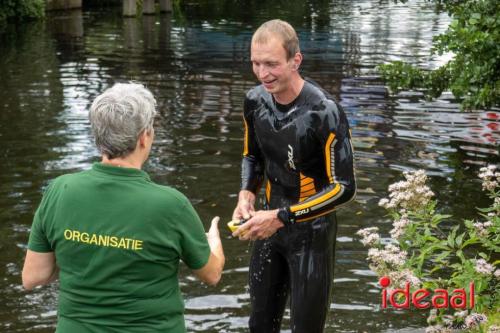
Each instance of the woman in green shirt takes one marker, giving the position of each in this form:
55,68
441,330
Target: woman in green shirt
114,237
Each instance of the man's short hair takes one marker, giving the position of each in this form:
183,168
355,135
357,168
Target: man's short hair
119,116
282,30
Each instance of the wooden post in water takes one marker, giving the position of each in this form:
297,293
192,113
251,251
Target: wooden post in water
148,7
129,8
130,36
62,4
165,6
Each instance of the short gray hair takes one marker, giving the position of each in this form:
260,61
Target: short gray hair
118,117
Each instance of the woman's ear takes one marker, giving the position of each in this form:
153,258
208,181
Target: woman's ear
143,138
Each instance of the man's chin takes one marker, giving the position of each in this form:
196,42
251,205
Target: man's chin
270,89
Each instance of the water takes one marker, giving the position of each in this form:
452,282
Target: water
196,63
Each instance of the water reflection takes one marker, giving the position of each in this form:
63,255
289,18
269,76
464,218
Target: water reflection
197,64
67,25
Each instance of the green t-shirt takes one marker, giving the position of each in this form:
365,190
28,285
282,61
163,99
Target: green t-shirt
118,238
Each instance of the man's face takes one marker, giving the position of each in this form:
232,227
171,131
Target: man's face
271,66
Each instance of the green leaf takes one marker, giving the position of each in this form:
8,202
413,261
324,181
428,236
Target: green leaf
442,256
435,269
451,237
470,242
458,240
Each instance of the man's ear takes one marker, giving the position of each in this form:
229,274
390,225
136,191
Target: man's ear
297,60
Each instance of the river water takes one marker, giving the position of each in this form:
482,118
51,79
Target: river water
196,63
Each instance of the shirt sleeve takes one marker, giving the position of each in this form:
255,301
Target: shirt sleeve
335,138
195,250
252,165
38,240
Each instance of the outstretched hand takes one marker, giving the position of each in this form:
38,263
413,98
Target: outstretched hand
213,236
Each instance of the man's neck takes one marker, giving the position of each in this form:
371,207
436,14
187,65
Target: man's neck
291,93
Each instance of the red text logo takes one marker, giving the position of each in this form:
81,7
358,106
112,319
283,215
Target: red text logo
440,297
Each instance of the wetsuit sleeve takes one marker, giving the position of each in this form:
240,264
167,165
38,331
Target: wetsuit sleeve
335,138
252,166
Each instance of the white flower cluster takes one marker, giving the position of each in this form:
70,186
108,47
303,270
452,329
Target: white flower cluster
391,255
497,274
448,320
411,194
490,177
447,325
475,319
399,278
432,316
482,228
483,267
399,226
461,314
494,329
370,236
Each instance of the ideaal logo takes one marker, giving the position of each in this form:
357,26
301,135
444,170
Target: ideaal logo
440,298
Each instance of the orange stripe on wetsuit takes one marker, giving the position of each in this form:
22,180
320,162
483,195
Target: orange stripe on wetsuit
307,187
316,203
268,191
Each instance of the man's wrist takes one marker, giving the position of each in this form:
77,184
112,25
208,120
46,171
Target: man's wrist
247,196
285,216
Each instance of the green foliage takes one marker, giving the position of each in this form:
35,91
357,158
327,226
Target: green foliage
473,74
400,75
21,9
426,251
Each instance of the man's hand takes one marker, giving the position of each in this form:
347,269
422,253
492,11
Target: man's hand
262,225
245,207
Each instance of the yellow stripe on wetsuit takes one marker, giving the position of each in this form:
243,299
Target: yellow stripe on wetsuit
326,198
330,163
245,139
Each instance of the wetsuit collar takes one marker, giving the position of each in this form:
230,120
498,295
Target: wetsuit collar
284,108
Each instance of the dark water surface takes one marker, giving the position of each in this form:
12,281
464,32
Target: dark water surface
196,63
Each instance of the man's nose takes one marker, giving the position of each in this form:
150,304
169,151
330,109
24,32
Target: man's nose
263,72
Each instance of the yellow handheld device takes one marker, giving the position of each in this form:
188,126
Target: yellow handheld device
235,224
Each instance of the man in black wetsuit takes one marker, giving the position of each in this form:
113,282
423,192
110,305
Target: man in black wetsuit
297,141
